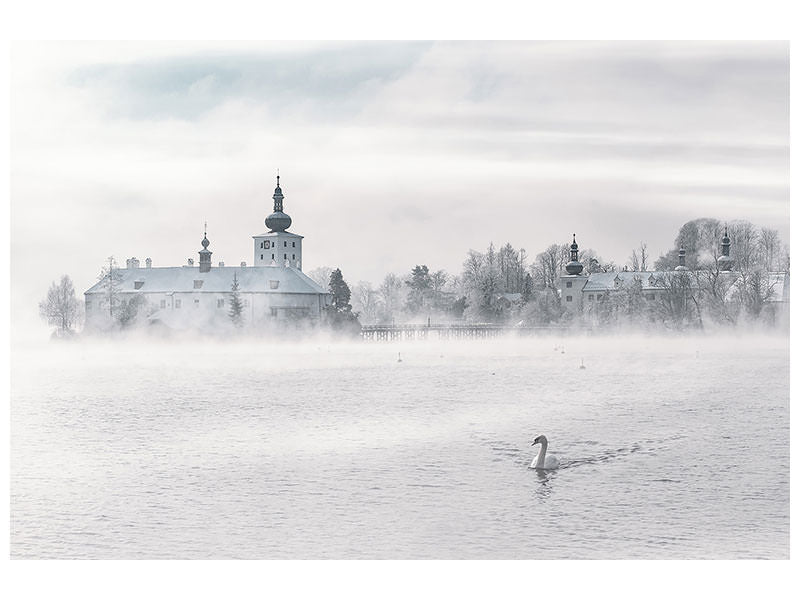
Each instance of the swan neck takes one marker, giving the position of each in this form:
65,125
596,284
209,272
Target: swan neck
540,457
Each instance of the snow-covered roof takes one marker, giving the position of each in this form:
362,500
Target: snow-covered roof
599,282
218,279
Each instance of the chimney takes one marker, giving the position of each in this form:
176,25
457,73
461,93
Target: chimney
127,263
191,262
243,264
134,263
148,263
221,264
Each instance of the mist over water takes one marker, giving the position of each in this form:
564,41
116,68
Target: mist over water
670,448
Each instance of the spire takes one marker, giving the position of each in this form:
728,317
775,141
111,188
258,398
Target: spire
278,196
681,260
725,261
205,253
573,266
278,220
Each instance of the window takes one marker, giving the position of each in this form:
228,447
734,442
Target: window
262,257
569,298
599,296
569,284
198,283
292,256
196,303
284,257
650,296
292,244
88,305
273,244
273,256
177,303
284,244
273,284
137,284
220,303
591,297
273,312
163,304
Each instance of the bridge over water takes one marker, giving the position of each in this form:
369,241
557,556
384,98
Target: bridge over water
389,333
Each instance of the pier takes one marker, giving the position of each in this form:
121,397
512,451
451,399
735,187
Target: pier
392,333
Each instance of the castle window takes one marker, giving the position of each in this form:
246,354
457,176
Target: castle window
220,303
273,256
163,304
591,296
196,303
262,257
284,256
292,244
569,284
177,303
273,312
284,244
273,244
273,284
88,305
599,296
198,283
137,284
651,296
569,298
292,256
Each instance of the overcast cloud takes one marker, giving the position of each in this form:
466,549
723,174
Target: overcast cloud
391,154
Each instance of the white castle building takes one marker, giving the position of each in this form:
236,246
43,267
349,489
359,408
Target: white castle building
198,296
583,292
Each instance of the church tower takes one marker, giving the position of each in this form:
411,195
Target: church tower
205,255
573,280
278,247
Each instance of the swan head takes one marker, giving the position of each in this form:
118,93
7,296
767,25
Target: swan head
539,440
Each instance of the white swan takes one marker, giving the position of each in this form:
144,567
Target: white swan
542,461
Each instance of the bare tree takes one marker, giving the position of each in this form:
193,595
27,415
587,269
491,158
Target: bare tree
111,280
366,301
391,294
61,307
321,276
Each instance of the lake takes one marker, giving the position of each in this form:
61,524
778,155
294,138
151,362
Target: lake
670,448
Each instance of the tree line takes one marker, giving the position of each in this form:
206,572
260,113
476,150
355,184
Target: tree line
506,285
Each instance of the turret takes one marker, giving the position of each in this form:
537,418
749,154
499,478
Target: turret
205,255
725,261
573,266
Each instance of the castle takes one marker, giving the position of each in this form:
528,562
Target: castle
198,296
583,292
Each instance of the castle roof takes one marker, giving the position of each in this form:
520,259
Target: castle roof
217,280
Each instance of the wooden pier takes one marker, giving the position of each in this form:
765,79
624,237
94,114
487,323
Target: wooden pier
394,333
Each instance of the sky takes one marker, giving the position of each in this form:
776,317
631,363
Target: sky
391,154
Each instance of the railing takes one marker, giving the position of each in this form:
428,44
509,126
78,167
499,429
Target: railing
388,333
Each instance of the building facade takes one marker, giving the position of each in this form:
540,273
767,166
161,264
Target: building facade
582,292
199,297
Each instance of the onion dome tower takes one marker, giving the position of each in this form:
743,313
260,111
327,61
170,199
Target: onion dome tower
681,260
205,254
573,266
725,261
278,220
278,247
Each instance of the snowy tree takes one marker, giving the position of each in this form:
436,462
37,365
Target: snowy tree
235,312
340,314
130,311
111,280
60,308
321,276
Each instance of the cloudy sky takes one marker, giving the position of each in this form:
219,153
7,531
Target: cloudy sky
391,154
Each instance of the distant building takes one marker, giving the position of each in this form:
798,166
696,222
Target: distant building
198,296
582,292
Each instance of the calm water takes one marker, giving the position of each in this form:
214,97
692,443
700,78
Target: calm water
670,449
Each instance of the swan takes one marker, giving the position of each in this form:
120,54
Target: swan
398,358
542,461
